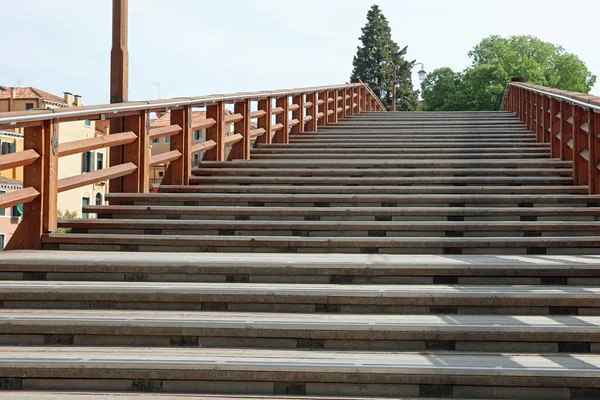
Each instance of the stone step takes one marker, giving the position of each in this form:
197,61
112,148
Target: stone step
300,268
404,145
198,198
397,164
340,213
303,298
88,395
340,189
509,152
345,244
387,180
251,170
326,228
259,155
482,333
258,371
339,136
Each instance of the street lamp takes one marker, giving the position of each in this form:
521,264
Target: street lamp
422,75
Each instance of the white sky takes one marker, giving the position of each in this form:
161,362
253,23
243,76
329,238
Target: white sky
198,47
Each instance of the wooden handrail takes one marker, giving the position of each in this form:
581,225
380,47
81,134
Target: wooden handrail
163,131
164,158
16,197
19,159
100,142
278,115
204,146
77,181
568,121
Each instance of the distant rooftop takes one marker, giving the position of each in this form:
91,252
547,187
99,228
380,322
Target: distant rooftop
29,93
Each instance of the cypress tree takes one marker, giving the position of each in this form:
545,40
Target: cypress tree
374,60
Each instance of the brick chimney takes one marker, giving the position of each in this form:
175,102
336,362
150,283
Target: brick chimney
68,98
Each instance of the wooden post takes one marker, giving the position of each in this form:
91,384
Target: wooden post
581,118
394,88
181,169
594,146
119,79
324,108
298,114
566,153
555,142
333,118
266,121
344,103
241,149
132,151
40,215
311,126
216,132
282,135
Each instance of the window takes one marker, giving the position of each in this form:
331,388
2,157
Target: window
16,211
87,161
2,210
2,236
161,174
99,161
8,147
154,141
197,158
198,135
85,201
99,199
87,123
28,106
168,139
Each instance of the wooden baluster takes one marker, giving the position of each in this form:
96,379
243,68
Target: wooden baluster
345,104
548,120
566,137
594,146
540,117
323,108
216,132
241,149
181,169
298,114
351,102
282,135
266,121
555,137
40,214
132,152
581,154
311,126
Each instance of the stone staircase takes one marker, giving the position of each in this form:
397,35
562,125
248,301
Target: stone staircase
393,255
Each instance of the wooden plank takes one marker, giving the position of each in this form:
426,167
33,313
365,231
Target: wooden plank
241,150
34,138
163,131
594,146
282,135
581,121
257,114
323,106
204,146
254,133
180,169
276,127
18,159
164,158
293,123
231,139
567,131
204,124
277,110
16,197
131,151
311,112
264,122
297,115
295,106
232,119
96,176
216,133
99,142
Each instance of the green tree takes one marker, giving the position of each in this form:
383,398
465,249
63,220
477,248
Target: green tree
374,60
481,86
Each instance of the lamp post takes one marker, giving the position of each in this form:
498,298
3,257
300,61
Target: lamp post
422,75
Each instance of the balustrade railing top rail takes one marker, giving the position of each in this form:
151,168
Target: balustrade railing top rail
131,134
568,121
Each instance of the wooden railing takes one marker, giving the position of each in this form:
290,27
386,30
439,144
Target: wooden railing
129,143
569,121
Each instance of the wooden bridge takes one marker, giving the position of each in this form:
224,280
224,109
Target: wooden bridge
324,249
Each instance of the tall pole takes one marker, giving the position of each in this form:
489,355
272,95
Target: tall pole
119,80
394,89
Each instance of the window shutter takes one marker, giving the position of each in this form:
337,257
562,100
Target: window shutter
90,161
12,147
5,147
99,161
83,161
